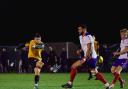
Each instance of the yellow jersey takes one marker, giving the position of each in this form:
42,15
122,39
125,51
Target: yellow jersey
34,53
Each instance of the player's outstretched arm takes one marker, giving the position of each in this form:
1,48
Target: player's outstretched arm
125,50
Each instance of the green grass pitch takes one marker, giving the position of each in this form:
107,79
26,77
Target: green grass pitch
54,81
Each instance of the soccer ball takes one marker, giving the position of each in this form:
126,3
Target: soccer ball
100,60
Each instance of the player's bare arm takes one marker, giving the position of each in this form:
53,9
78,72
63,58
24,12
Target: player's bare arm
125,50
78,51
88,51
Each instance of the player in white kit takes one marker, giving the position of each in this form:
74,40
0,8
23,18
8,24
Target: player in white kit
90,57
122,59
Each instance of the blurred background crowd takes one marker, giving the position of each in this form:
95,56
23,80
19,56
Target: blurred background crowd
57,57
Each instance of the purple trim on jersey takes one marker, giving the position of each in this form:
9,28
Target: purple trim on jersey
119,62
87,33
125,65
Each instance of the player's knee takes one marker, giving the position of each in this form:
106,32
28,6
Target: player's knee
118,71
73,66
82,61
112,70
96,71
39,65
35,69
93,72
77,64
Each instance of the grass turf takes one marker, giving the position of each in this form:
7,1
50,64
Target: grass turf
54,81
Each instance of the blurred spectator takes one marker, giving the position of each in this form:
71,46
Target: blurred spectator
45,61
1,66
5,59
64,60
52,59
14,59
24,59
105,52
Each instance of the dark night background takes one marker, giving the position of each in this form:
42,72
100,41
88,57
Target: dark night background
57,21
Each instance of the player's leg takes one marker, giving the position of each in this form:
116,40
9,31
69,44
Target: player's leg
92,63
99,76
90,74
74,69
37,70
73,73
113,68
116,70
97,69
113,71
117,76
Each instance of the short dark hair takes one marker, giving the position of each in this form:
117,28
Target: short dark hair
37,35
82,25
124,30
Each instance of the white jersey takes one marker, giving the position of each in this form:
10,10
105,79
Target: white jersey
123,44
84,40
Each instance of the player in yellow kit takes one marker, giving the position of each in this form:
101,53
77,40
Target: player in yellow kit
34,55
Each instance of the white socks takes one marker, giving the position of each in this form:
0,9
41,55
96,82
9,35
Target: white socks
106,85
69,82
